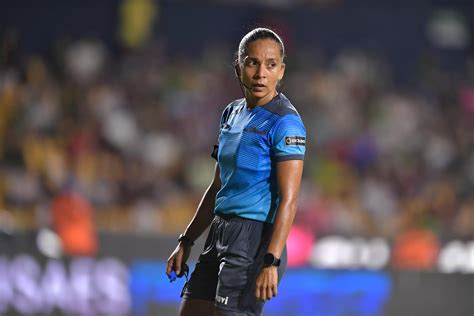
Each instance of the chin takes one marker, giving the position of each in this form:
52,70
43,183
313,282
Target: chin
259,94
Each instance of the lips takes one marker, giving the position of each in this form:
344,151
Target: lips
258,87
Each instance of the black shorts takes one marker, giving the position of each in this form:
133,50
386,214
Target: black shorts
227,269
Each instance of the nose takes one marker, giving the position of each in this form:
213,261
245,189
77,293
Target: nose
261,71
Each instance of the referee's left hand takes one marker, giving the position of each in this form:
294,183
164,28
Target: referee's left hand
266,284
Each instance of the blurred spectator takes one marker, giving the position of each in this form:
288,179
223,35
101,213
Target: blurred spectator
73,221
415,249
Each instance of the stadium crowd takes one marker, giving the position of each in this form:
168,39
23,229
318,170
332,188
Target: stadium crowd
132,135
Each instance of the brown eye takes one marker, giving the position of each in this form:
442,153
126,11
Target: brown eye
250,62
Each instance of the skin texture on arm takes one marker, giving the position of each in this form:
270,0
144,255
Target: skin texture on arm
201,220
289,180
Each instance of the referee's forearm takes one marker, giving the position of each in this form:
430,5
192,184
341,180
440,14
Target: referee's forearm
204,214
281,228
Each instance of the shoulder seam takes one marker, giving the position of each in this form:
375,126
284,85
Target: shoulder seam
290,112
282,107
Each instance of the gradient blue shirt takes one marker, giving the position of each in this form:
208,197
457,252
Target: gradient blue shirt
251,142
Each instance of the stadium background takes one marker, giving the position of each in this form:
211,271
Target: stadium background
109,110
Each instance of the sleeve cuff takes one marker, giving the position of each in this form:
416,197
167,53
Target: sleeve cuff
289,157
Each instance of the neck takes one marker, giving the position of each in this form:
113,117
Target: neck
252,102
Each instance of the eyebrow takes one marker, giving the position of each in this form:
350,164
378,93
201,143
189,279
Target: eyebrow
256,58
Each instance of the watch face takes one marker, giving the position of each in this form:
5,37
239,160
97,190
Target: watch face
268,259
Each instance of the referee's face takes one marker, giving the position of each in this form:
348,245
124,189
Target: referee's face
262,68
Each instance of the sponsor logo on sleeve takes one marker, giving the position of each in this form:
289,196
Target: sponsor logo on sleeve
295,141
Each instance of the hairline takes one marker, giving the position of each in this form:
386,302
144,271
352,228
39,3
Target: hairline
279,56
270,35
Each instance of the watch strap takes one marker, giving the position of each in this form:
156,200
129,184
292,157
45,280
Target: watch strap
185,239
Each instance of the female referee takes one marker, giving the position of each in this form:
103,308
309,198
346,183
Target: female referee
252,199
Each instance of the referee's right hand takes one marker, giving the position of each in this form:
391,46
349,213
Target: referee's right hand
178,258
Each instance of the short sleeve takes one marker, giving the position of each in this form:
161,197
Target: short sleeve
289,138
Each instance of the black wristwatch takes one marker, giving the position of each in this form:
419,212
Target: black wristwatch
269,260
185,239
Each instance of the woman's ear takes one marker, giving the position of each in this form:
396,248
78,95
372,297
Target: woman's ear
282,71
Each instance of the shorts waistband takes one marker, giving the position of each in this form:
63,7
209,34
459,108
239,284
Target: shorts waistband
236,218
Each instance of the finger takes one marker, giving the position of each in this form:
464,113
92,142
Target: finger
177,263
275,290
169,266
257,292
269,293
263,293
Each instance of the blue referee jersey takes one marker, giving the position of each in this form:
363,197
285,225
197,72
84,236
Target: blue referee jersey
251,141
